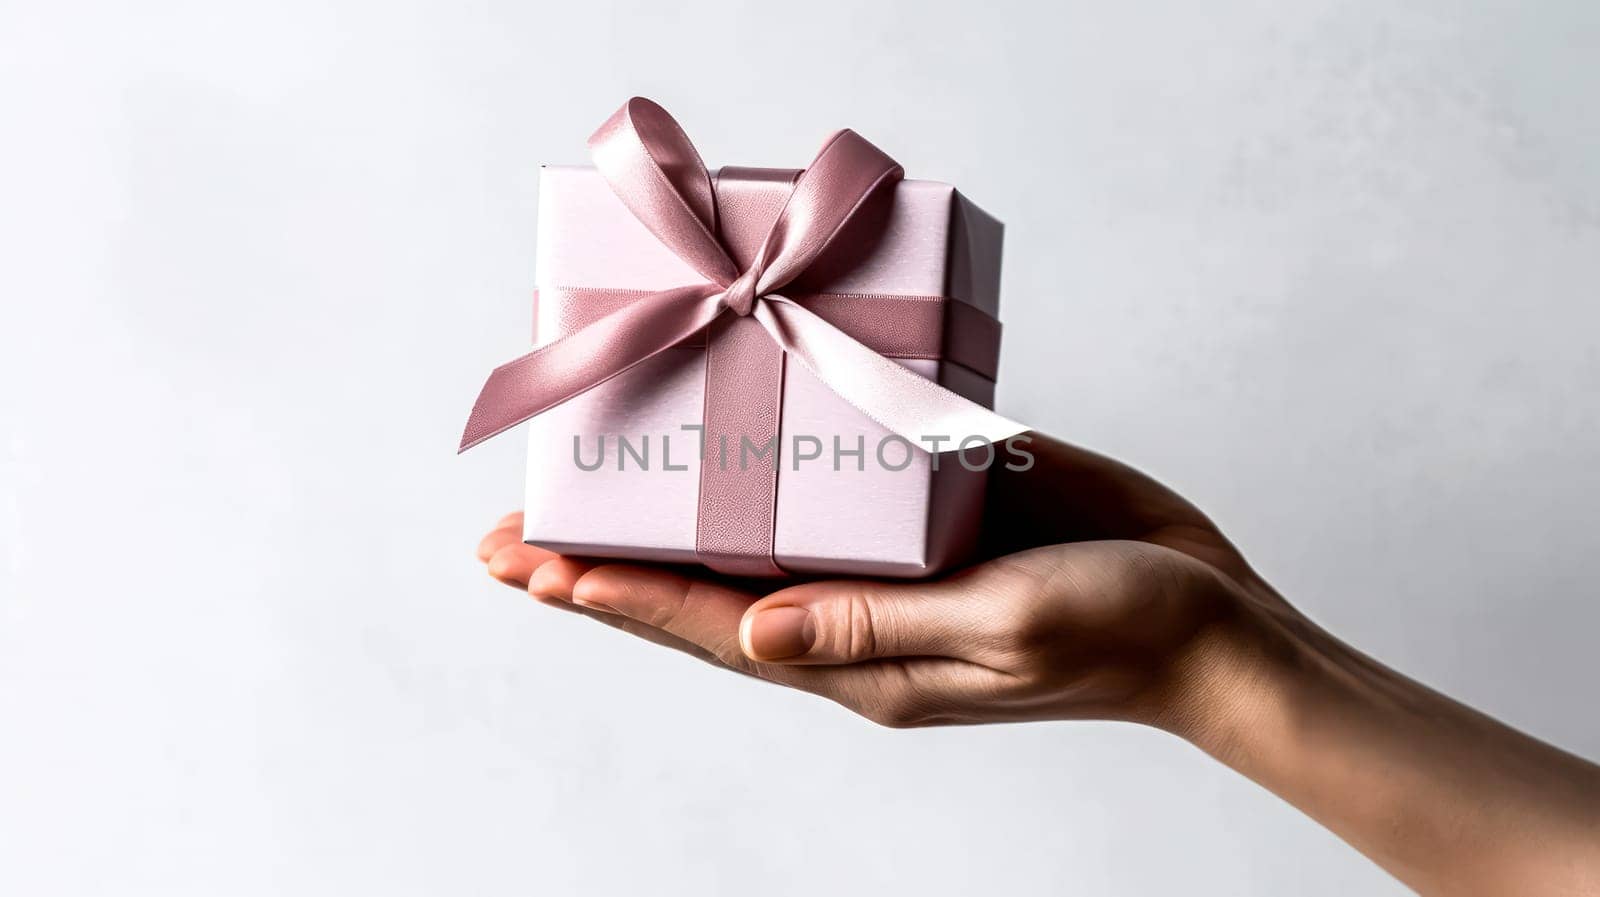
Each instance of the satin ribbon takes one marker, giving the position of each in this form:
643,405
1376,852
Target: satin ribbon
653,167
894,325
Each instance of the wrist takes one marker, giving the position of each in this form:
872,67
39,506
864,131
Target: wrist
1235,679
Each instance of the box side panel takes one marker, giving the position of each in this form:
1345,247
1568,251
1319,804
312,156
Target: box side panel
855,514
639,503
976,239
955,504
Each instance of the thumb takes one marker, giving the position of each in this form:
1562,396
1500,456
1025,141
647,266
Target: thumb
846,622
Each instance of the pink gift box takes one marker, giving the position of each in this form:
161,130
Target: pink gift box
892,511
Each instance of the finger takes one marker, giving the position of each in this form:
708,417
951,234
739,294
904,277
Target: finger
652,635
498,538
553,584
708,614
543,594
514,564
701,612
704,613
850,621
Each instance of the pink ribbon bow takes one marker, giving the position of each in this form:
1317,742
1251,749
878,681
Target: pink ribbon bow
651,165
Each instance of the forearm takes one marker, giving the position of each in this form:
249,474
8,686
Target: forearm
1445,798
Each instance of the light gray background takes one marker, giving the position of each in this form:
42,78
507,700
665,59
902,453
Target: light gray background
1328,268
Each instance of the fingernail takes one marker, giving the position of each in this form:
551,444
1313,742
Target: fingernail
779,633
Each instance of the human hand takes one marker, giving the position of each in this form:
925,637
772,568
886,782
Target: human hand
1105,595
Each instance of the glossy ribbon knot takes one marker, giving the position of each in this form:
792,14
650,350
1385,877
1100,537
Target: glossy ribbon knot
740,297
653,167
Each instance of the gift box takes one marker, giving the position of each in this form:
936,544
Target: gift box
762,443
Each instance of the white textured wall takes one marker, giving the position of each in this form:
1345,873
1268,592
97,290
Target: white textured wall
1331,269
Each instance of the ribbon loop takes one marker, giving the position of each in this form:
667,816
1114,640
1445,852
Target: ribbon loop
650,164
847,172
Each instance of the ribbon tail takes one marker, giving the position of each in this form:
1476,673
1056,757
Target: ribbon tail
586,358
902,402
